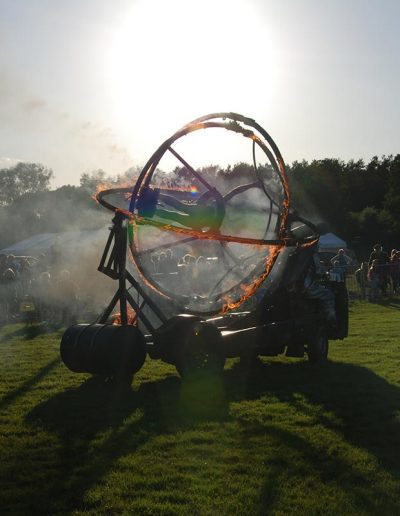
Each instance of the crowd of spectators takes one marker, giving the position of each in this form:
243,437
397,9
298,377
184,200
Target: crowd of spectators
380,275
38,289
375,278
372,279
34,289
184,272
188,272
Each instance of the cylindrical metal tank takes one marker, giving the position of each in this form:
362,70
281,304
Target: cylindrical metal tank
103,349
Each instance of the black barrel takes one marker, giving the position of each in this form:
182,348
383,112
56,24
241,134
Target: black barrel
103,349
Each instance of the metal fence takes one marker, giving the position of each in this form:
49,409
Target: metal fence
383,282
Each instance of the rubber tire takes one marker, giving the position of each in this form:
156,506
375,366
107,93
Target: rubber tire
208,359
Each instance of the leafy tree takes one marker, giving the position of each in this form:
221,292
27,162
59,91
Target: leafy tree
391,200
90,180
317,191
23,178
64,209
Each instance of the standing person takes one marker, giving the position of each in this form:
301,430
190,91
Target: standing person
43,296
382,264
171,262
395,269
374,279
341,260
154,262
56,254
66,291
3,263
337,272
8,295
314,289
162,262
378,254
13,264
362,279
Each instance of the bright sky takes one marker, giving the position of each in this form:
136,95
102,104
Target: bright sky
87,84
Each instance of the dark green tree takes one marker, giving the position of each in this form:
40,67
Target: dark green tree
21,179
391,201
90,180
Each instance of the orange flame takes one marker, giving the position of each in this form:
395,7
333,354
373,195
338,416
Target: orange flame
109,186
286,201
202,235
250,289
309,244
132,317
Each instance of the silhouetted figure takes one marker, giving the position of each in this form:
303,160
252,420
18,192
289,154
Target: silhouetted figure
395,269
8,295
378,254
343,261
66,292
361,275
380,260
375,280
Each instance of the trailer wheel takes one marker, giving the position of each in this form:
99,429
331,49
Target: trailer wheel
201,351
318,346
209,362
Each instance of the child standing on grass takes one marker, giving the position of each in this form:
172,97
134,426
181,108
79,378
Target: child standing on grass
362,280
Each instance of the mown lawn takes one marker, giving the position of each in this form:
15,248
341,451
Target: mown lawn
283,438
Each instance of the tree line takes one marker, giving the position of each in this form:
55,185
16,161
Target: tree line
358,201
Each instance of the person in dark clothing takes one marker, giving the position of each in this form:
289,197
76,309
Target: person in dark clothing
374,279
3,263
378,254
380,260
361,275
342,258
8,295
342,261
66,297
314,289
13,264
395,269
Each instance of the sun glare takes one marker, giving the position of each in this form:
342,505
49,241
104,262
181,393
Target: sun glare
170,62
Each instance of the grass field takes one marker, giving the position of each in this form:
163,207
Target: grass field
283,438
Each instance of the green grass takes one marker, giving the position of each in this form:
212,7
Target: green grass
284,438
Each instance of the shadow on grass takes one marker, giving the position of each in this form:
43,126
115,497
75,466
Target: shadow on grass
393,302
364,406
365,411
368,497
30,331
123,421
28,384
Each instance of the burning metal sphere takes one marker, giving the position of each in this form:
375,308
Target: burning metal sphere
223,230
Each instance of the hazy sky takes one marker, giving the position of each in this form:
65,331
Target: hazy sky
88,84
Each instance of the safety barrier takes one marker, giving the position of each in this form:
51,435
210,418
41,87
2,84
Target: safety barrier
384,283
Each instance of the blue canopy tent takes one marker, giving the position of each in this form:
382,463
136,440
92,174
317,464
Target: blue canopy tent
331,242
